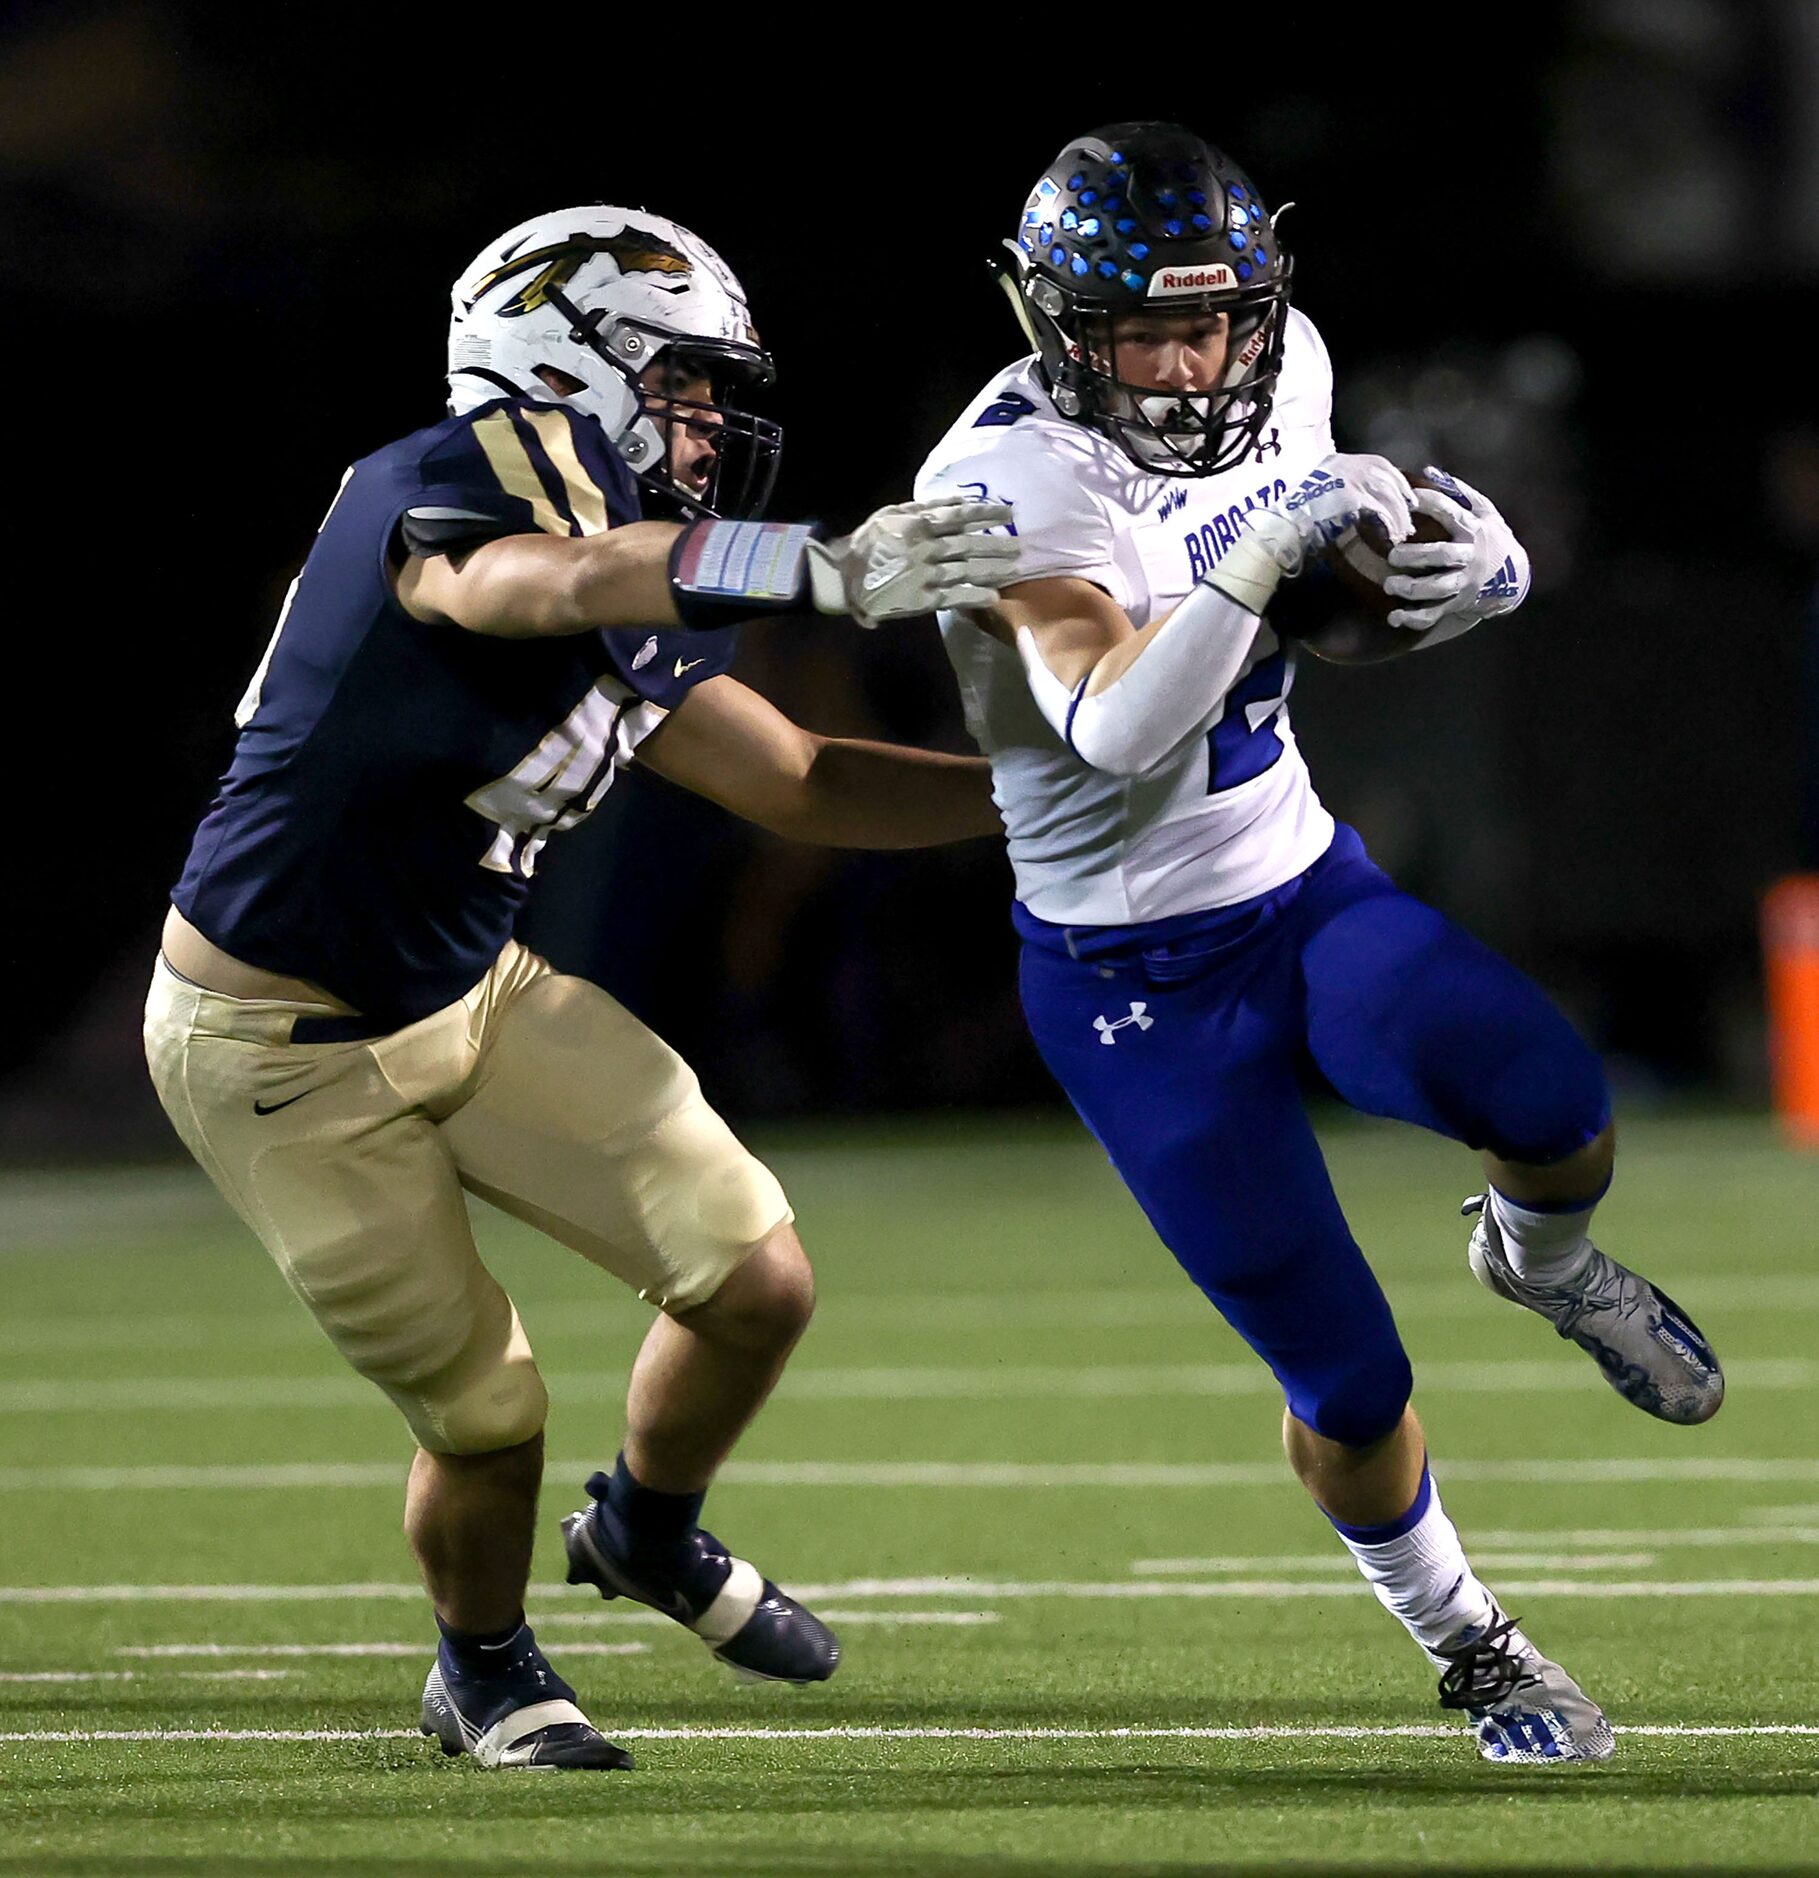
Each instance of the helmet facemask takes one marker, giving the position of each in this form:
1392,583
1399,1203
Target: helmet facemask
1168,433
747,447
1184,433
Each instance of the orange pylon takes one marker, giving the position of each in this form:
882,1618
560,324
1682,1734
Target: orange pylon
1790,944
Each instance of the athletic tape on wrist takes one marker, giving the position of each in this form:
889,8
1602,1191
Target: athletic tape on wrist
722,571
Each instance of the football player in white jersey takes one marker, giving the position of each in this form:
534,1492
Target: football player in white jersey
1199,934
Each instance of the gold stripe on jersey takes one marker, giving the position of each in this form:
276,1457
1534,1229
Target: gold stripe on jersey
585,497
511,463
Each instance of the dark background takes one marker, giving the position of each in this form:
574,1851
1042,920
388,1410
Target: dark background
1572,253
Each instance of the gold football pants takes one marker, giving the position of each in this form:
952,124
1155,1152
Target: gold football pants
537,1092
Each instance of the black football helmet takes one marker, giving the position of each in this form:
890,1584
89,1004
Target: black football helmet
1151,217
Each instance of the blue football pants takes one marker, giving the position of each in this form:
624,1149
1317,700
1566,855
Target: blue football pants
1186,1046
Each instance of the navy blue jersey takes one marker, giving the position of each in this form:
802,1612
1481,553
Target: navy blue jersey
378,827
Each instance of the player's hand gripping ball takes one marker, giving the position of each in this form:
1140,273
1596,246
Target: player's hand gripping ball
1399,590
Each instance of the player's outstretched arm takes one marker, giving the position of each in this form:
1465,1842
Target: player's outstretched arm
543,586
729,744
906,559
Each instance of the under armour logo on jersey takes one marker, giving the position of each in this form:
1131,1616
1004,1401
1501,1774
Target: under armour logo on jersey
1272,442
645,653
1106,1025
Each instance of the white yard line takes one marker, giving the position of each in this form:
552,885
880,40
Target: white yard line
419,1648
1340,1562
570,1647
118,1207
1068,1476
884,1620
123,1331
1110,1309
1412,1732
1153,1307
977,1382
130,1675
992,1590
203,1594
286,1476
982,1590
1666,1536
891,1620
1049,1382
560,1321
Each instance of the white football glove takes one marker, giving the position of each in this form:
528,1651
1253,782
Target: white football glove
913,557
1277,543
1481,572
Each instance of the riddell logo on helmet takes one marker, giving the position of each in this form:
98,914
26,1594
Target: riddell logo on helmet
1169,281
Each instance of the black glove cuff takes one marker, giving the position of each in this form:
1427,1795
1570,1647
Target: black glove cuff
722,572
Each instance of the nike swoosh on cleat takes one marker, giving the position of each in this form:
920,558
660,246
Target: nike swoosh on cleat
689,667
261,1108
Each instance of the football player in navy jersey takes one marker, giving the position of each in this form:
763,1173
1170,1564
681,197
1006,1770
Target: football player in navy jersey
341,1026
1200,938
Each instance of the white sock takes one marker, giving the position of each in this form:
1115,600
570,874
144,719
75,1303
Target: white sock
1549,1246
1420,1573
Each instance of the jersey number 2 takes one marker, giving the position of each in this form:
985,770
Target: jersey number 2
1244,742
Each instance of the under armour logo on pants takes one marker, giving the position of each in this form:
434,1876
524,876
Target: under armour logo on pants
1105,1025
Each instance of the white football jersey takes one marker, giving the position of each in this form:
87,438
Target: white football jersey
1230,812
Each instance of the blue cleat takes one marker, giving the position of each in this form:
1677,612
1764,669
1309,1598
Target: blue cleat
1651,1352
524,1717
1524,1709
761,1634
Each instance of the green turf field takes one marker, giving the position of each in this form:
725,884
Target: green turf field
1090,1623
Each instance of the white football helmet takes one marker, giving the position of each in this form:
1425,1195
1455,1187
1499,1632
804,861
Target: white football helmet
601,294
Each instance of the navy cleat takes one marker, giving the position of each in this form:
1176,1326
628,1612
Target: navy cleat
523,1717
1651,1352
759,1632
1525,1710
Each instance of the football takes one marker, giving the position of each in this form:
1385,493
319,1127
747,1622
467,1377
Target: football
1359,633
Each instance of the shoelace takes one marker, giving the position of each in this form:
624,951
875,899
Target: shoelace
1572,1306
1485,1671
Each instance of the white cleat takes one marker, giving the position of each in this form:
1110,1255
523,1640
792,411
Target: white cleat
1525,1710
1651,1352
